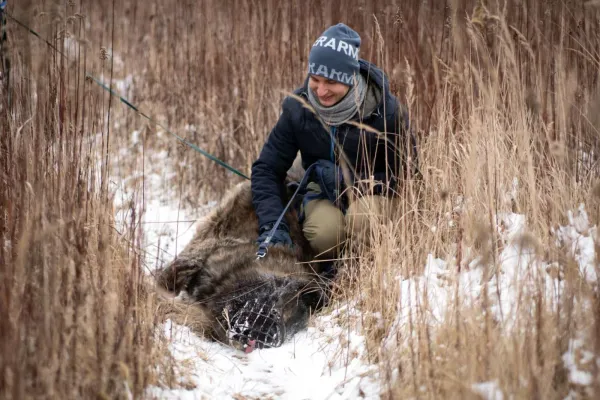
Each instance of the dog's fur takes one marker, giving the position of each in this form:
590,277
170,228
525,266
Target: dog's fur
219,272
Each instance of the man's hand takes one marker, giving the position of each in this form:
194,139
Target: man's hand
280,236
329,177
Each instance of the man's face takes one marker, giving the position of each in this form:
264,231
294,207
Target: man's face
328,91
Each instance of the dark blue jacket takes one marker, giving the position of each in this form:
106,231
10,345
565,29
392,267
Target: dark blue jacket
298,129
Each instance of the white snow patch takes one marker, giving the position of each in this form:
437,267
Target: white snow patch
433,294
579,237
70,45
519,275
573,359
488,390
135,137
124,86
167,226
511,225
322,362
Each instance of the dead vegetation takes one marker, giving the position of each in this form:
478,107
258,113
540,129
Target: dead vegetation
503,97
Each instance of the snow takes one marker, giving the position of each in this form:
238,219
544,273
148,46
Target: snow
488,390
519,273
167,226
312,365
574,358
579,237
519,276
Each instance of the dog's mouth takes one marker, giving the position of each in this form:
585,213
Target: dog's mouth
255,324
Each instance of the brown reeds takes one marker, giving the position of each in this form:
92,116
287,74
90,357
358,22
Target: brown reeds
77,319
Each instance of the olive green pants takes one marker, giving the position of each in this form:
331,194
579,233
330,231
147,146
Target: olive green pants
326,228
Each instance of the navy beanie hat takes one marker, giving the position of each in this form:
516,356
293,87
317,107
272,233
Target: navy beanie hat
335,54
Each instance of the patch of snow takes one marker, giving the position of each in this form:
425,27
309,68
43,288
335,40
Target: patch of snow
573,359
519,274
510,225
70,45
167,227
579,238
135,137
488,390
312,365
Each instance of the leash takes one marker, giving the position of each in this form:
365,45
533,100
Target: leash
182,140
130,105
263,247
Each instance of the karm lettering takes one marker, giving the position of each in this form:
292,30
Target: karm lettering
322,70
337,45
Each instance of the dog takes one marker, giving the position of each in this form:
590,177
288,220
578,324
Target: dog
239,299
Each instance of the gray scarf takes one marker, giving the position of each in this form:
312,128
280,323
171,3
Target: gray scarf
346,108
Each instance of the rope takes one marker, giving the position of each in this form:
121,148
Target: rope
182,140
134,108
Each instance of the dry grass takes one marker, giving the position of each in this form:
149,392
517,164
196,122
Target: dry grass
496,91
77,320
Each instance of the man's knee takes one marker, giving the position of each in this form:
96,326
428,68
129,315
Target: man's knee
324,227
364,212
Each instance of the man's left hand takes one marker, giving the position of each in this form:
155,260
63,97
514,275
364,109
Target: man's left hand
329,177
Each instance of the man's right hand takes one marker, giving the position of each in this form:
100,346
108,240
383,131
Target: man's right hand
281,235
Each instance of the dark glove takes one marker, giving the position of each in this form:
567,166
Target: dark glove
280,236
329,177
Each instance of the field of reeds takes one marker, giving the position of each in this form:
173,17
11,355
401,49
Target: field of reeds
504,100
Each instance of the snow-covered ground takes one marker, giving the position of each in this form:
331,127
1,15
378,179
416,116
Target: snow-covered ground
520,275
322,362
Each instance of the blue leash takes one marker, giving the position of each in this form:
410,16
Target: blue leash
263,247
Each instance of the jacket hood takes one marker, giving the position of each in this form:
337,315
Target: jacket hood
375,74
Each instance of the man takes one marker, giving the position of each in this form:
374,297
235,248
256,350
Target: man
355,119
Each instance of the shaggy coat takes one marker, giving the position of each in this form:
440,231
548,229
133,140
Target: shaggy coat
245,301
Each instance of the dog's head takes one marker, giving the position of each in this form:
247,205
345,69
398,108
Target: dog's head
265,309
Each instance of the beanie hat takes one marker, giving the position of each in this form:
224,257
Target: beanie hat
335,54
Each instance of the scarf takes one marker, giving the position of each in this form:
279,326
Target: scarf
345,108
